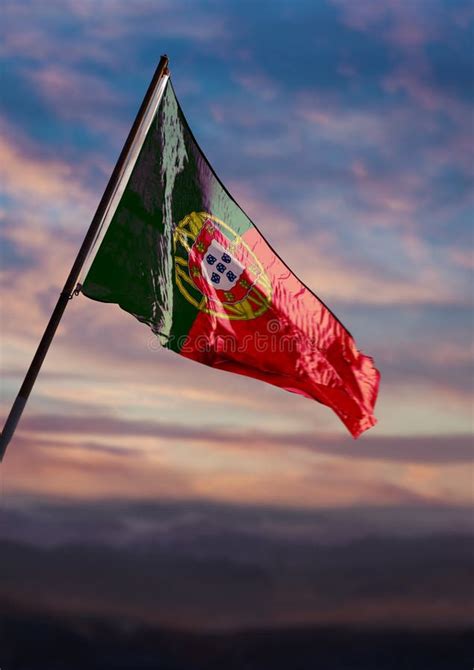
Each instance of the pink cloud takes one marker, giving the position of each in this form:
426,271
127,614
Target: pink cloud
110,368
330,275
258,84
408,27
415,78
37,180
76,96
105,26
462,257
117,19
103,344
407,24
76,465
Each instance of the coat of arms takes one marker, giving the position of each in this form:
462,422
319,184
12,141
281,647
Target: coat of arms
217,271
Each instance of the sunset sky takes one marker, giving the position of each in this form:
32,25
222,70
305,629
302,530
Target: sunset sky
344,130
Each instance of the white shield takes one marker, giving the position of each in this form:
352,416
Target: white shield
220,268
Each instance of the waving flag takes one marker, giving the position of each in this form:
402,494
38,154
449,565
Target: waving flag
177,252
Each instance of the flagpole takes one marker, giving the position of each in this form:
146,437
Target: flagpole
71,282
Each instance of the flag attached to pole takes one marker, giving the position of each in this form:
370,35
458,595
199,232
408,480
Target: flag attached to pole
176,251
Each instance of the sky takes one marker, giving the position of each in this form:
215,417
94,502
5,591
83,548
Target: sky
344,130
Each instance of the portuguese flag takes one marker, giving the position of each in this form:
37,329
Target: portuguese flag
180,255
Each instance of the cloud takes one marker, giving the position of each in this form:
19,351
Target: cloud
418,449
81,455
33,35
404,25
352,155
104,365
258,84
76,96
411,28
337,274
33,180
186,523
44,36
117,20
229,567
463,257
352,195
